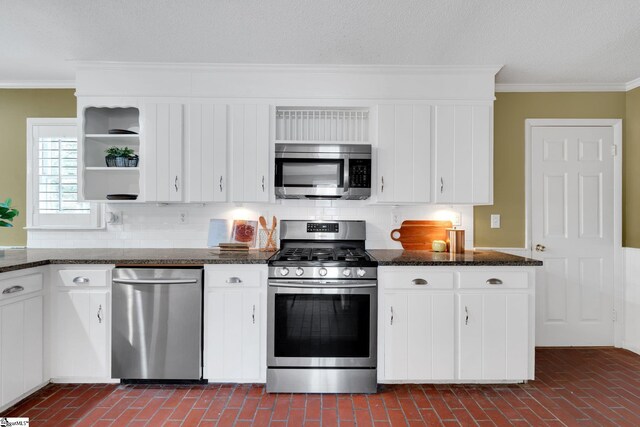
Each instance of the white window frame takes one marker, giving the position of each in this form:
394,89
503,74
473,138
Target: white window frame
35,220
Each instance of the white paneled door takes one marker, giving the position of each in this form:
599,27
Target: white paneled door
572,232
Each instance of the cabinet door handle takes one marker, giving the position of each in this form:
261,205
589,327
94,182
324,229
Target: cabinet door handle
466,319
220,183
253,315
13,289
391,316
233,279
441,185
80,280
419,282
263,183
494,281
175,184
99,313
382,187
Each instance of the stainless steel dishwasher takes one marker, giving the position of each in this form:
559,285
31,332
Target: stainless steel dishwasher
156,329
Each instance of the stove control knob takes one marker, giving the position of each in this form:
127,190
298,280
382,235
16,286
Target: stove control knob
322,271
299,271
284,271
361,272
346,272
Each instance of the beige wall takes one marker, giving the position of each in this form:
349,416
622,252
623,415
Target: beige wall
16,105
511,110
631,176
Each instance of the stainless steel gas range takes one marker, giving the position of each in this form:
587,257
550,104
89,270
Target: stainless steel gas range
322,310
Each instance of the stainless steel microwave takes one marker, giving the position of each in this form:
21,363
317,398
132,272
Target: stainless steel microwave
323,171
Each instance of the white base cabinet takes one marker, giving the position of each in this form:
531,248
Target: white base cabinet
21,334
81,331
456,324
235,323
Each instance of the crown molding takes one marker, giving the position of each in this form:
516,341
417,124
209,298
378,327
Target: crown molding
311,68
553,87
633,84
38,84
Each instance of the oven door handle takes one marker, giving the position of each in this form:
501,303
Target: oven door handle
341,284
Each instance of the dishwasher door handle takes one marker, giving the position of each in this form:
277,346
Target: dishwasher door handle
155,281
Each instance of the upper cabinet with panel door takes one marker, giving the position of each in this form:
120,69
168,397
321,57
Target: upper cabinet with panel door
404,153
206,152
463,152
250,135
162,154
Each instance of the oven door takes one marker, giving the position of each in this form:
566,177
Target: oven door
329,325
311,175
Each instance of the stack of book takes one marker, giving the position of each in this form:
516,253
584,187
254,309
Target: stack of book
234,246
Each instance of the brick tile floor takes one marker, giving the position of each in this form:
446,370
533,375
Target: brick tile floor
573,387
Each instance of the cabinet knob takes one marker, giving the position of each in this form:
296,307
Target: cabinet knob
419,282
175,184
263,183
220,182
391,322
466,319
441,185
233,280
99,314
80,280
494,281
540,248
382,186
253,315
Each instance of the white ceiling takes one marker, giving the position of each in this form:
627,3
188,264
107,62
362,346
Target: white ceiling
587,42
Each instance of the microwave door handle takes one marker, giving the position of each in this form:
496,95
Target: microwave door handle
346,175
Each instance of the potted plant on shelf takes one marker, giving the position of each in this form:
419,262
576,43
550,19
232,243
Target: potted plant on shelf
7,214
121,157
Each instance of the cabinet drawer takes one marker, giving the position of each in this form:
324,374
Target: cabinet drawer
18,286
418,278
494,279
82,278
232,277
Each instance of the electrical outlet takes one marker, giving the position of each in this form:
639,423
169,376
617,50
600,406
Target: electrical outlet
456,219
495,221
114,218
395,218
183,217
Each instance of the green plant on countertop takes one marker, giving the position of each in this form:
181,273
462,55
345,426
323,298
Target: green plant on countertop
7,213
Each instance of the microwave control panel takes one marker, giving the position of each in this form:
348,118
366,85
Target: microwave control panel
360,173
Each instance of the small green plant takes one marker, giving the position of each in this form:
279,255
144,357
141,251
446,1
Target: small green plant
120,152
7,213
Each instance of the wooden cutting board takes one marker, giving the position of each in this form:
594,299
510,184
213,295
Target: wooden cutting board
418,235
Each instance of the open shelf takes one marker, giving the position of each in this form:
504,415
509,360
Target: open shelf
111,169
99,179
113,139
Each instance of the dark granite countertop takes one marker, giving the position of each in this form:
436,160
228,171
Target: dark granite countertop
17,259
476,258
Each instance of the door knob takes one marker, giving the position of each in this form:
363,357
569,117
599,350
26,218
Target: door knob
540,248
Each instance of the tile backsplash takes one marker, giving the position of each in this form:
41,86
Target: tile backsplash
152,226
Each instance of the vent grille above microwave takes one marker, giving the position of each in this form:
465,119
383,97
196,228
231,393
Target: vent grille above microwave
343,124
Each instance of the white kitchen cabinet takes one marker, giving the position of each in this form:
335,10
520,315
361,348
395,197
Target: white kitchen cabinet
250,136
81,332
404,153
235,324
493,336
463,154
206,153
419,336
21,334
21,347
455,324
161,157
